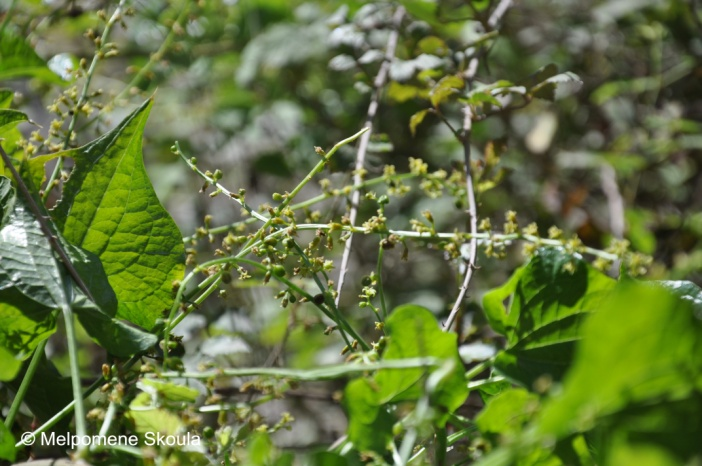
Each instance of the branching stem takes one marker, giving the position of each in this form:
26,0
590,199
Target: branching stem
378,84
465,139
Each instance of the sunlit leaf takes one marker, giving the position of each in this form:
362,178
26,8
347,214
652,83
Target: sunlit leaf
508,412
148,417
371,56
650,391
362,403
403,92
169,391
446,87
433,45
31,286
416,120
414,332
109,208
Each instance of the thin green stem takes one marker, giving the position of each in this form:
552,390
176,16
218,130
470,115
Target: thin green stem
379,278
24,386
105,427
478,368
323,373
158,55
334,315
309,202
213,285
269,222
486,382
109,417
429,236
81,428
82,99
70,406
319,167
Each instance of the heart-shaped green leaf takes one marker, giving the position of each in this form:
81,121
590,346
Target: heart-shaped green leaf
109,208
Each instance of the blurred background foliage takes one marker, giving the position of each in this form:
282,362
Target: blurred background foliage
251,86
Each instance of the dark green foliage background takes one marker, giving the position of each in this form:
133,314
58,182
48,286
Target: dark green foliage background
251,86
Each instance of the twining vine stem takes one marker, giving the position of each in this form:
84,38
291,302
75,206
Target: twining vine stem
99,55
378,85
157,55
465,139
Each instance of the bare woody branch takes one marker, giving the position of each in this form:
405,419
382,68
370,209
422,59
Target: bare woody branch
465,139
378,84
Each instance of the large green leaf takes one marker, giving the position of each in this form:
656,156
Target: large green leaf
8,116
30,284
507,412
32,287
635,387
362,403
9,134
644,346
110,209
414,332
550,298
18,59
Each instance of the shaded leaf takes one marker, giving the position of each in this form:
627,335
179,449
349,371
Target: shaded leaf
43,403
540,75
6,96
18,59
7,444
118,338
557,86
8,116
282,45
109,208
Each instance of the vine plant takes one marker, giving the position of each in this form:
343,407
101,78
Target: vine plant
108,253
